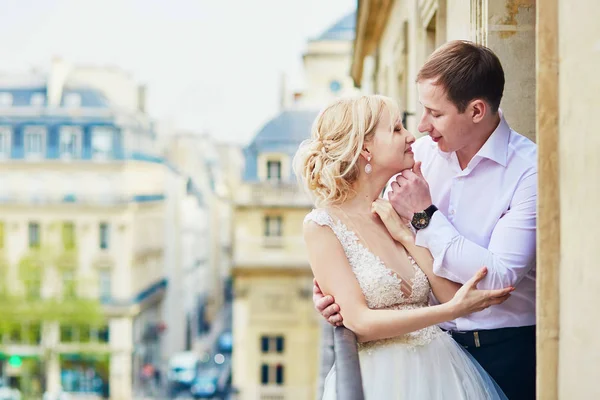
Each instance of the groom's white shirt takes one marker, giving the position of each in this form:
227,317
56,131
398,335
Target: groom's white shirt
487,217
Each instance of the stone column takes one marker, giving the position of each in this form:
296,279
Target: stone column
548,254
579,144
568,251
511,35
120,358
50,339
53,373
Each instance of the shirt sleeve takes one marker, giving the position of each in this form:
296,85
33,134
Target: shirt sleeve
511,250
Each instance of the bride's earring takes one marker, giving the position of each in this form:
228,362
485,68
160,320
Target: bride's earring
368,167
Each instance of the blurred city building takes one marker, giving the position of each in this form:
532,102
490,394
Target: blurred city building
92,220
275,328
204,284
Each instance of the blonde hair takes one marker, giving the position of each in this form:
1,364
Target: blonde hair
327,163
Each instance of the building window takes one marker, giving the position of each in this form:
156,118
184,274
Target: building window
69,288
83,334
273,225
72,100
279,344
272,344
68,235
104,236
37,99
33,284
274,171
272,374
70,142
27,333
34,235
34,139
32,333
264,374
15,334
102,142
6,99
104,283
5,141
67,334
279,374
102,334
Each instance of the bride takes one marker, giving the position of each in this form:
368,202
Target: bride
363,254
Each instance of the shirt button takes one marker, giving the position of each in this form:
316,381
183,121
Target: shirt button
451,212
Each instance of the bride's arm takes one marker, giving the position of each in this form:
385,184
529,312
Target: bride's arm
442,288
334,274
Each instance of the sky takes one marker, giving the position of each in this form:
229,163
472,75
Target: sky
209,65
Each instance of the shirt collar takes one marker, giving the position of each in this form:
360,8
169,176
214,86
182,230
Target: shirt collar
496,147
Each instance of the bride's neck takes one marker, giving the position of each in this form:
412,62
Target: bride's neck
367,189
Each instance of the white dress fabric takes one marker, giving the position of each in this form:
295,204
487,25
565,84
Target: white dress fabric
423,365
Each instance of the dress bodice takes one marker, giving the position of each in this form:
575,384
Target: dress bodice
380,285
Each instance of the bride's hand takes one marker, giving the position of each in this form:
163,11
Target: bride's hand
468,299
393,222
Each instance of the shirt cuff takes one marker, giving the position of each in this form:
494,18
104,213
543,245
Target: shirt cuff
438,237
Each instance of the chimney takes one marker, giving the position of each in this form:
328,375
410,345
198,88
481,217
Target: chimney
57,78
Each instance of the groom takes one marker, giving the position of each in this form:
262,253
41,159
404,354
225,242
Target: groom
472,201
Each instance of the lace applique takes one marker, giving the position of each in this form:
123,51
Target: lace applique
379,284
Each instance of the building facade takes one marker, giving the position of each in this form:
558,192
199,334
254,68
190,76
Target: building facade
89,213
394,38
206,272
275,328
549,51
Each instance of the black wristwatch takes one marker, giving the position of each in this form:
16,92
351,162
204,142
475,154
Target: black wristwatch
421,219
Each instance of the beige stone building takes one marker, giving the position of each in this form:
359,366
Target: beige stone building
394,38
88,211
276,330
550,51
214,171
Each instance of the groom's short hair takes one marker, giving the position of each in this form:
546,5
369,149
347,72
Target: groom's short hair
467,71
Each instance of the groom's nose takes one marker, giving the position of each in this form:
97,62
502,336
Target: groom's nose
425,125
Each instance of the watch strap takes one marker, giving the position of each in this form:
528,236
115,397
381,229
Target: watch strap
430,210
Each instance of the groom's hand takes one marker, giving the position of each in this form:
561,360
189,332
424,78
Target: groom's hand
410,192
325,306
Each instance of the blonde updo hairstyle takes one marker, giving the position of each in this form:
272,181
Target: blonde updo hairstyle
328,163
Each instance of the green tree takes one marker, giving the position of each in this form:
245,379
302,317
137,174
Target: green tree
25,311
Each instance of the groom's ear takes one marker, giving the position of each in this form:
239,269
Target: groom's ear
478,109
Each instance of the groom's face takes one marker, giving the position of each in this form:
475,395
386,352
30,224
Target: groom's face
441,119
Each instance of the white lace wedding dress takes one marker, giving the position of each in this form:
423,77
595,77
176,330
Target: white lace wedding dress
422,365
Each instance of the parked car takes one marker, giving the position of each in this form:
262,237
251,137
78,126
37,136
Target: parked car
182,372
206,384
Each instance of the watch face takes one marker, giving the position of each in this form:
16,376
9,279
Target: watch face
420,220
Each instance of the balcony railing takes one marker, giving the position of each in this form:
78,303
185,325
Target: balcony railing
82,199
270,251
272,193
347,367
